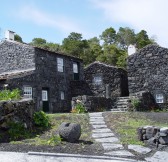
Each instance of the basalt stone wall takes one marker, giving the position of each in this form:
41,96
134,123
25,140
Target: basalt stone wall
113,81
16,111
148,71
16,56
80,88
46,76
93,103
146,101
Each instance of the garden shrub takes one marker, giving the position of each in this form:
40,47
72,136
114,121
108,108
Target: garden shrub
10,95
135,103
17,131
79,108
41,119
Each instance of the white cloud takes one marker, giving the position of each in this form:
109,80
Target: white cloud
150,15
59,22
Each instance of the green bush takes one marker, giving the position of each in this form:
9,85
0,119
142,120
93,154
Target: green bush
79,108
17,131
135,103
10,95
41,119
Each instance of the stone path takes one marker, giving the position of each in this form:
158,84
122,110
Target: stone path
112,146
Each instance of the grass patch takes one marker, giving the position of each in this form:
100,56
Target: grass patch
126,124
51,137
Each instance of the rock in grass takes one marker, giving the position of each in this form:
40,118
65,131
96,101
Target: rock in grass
70,132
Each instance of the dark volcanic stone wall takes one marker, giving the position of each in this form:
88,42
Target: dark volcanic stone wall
16,57
46,76
148,70
114,80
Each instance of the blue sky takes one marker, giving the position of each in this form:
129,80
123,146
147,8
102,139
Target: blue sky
53,20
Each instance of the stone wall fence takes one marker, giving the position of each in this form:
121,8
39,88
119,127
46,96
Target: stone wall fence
17,111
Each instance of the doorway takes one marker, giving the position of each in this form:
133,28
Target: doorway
45,99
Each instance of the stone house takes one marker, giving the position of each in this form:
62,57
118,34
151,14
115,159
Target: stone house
106,80
148,71
42,75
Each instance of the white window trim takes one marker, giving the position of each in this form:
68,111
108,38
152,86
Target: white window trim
44,95
27,92
97,80
60,64
62,95
75,67
159,98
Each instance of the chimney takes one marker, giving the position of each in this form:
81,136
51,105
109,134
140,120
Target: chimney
9,35
131,49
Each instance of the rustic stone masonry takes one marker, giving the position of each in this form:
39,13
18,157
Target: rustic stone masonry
45,76
16,111
146,102
148,71
153,135
106,81
93,103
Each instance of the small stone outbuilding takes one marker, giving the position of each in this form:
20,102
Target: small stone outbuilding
106,80
148,71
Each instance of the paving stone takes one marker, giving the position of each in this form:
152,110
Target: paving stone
111,146
95,114
97,117
99,122
101,135
119,153
159,156
108,139
96,120
139,149
103,130
99,126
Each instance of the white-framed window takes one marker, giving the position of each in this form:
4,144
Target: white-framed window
75,67
60,64
44,95
97,80
62,95
159,98
27,92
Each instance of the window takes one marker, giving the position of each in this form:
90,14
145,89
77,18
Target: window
62,95
97,80
60,64
44,95
27,92
75,67
159,98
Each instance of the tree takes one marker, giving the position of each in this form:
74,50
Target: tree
93,50
74,45
18,38
110,55
142,39
108,36
125,37
38,42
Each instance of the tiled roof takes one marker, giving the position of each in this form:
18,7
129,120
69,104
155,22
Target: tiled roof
15,73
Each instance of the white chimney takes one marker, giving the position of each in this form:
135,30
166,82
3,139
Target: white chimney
9,35
131,49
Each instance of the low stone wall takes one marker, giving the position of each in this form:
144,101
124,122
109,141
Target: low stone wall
16,111
92,103
146,101
153,135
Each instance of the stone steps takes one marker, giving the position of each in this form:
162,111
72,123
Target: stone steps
121,104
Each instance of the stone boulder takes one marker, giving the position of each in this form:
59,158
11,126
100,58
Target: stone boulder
70,132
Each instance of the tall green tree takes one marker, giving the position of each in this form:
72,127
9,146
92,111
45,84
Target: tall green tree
18,38
93,50
125,37
74,45
108,36
142,39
